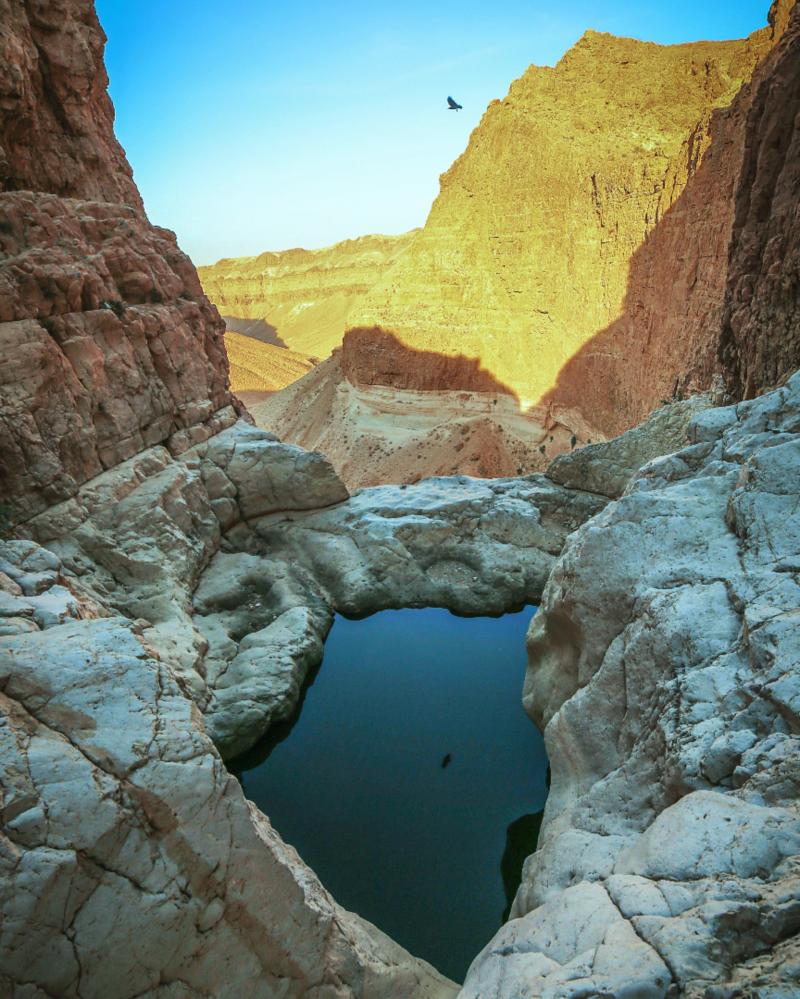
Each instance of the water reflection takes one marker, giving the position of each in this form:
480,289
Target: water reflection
401,779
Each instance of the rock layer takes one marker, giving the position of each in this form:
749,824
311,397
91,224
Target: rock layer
374,434
300,299
108,344
525,254
667,686
258,369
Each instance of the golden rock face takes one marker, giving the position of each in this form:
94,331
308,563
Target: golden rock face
300,299
257,369
527,250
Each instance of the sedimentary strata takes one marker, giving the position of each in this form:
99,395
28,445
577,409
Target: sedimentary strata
561,183
374,434
300,299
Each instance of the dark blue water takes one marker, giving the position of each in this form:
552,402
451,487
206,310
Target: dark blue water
429,853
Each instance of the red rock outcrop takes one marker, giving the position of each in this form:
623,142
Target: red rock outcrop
108,344
56,119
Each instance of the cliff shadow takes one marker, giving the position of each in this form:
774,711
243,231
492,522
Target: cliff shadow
666,341
372,355
257,329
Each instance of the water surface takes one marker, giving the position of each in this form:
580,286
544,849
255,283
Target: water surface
411,778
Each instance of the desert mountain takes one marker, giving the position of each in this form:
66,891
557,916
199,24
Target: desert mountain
300,299
258,369
576,261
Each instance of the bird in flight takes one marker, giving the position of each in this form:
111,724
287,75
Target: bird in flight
452,106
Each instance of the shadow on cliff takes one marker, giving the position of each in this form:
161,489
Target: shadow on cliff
664,341
258,329
372,355
673,332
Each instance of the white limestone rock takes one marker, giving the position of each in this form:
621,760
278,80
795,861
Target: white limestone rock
132,863
663,670
608,467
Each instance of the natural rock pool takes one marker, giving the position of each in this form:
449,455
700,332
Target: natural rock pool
411,780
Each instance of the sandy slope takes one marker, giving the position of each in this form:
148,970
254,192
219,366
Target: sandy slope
376,434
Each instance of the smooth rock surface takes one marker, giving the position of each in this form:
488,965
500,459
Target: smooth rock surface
667,688
132,863
211,550
607,468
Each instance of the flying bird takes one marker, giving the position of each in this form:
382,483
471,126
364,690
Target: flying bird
452,106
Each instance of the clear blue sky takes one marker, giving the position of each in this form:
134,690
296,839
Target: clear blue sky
265,124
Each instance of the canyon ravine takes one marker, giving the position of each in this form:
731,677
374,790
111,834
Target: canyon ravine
169,572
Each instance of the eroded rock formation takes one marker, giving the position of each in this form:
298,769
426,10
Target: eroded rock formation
108,344
301,299
561,183
667,687
56,119
132,863
375,434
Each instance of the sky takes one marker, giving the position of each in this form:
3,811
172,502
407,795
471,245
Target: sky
257,125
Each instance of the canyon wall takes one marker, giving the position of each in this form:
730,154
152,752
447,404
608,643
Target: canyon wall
761,325
527,251
300,299
590,256
713,291
108,343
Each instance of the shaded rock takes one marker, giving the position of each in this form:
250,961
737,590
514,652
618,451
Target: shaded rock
608,467
761,327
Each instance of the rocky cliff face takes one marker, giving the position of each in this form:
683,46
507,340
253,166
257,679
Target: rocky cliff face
667,687
56,119
108,343
730,237
527,250
761,325
577,258
301,299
